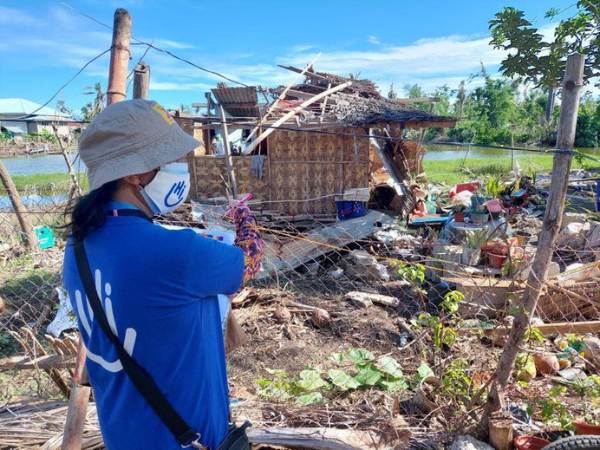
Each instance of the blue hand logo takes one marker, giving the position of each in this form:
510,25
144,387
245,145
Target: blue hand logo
175,194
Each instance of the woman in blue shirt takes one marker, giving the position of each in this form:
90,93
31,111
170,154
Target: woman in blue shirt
158,287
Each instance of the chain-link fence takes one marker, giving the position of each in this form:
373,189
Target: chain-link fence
371,323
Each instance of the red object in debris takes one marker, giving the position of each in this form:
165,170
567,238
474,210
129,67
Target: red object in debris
530,443
494,206
496,261
582,427
459,217
420,210
471,186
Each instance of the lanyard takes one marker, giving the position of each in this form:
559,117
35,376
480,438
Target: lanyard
127,213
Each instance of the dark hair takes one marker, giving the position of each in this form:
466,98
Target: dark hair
89,213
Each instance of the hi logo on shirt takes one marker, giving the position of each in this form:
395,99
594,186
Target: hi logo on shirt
175,194
86,317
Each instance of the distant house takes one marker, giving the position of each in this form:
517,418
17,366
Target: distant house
21,116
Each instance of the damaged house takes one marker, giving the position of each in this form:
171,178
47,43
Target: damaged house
316,140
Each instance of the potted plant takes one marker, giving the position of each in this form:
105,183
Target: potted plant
459,212
472,249
479,213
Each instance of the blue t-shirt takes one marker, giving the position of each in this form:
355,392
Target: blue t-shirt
159,290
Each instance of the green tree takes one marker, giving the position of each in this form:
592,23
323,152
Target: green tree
97,105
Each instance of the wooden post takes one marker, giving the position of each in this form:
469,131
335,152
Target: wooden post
117,82
74,181
20,210
228,159
141,80
552,220
119,57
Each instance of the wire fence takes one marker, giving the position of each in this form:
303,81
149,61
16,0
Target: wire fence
368,304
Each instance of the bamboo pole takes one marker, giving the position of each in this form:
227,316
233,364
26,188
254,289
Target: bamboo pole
281,97
552,220
261,137
119,57
19,207
228,159
117,81
141,80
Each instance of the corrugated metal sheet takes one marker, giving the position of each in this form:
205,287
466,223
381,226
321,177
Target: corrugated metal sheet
238,101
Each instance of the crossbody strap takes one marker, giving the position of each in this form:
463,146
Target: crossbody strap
142,381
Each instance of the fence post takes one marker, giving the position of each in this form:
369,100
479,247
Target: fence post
228,158
20,210
117,79
552,220
141,80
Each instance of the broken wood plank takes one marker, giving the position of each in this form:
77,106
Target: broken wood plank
278,99
366,299
45,362
315,438
292,113
558,327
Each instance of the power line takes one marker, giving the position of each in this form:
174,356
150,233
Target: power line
66,83
161,50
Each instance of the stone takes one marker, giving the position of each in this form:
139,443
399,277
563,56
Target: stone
572,374
364,266
466,442
546,363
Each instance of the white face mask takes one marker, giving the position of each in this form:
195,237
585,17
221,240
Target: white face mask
169,188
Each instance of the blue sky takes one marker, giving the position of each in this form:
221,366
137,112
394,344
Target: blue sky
430,42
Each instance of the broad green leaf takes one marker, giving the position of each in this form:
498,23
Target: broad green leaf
310,380
342,380
368,375
390,366
337,358
424,371
309,399
360,355
394,385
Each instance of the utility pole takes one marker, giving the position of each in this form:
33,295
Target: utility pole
141,80
119,57
117,82
552,220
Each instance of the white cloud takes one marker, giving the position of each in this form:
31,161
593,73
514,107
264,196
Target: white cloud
373,40
12,16
168,43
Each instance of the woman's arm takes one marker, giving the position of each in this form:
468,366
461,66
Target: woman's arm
248,239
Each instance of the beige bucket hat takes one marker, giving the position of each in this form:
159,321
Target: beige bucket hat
129,137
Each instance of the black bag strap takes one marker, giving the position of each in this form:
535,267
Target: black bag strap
143,382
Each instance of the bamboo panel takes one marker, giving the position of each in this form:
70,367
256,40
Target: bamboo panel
209,172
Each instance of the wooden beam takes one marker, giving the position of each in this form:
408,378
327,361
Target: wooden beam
281,97
43,362
315,438
449,123
556,328
228,159
119,57
292,113
19,208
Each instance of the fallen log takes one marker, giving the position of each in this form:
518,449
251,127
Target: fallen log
558,328
315,438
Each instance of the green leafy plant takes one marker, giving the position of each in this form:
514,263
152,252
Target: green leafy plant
494,186
451,301
414,273
553,410
456,383
359,368
533,334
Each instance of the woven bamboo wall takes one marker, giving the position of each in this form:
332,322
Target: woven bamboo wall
300,175
208,173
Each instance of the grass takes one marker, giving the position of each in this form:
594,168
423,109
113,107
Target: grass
450,172
45,182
